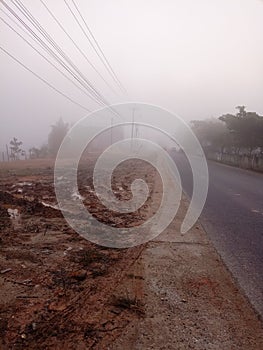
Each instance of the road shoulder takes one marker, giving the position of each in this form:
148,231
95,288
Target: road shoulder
190,298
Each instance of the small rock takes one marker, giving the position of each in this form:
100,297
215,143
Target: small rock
115,311
5,270
54,306
79,275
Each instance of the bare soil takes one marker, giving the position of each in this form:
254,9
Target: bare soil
191,300
59,291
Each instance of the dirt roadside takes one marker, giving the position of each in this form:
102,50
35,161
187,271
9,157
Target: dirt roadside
59,291
190,298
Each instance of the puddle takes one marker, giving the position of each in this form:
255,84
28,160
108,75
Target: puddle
14,217
50,206
13,213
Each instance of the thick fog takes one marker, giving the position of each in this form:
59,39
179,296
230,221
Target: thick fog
196,58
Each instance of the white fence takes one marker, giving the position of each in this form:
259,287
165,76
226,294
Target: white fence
254,162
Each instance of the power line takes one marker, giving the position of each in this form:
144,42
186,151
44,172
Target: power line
77,46
98,46
106,65
43,80
100,99
93,93
53,65
49,50
53,43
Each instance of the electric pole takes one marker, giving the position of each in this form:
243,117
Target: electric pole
132,130
111,131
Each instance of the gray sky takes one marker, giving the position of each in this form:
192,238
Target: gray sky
198,58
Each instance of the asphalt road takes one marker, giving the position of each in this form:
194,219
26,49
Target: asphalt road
233,219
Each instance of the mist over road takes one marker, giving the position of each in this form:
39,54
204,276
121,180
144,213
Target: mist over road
233,219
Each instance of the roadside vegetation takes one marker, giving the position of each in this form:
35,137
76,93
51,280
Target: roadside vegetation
14,150
240,133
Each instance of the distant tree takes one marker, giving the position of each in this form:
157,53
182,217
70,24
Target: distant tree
211,133
36,153
15,150
246,129
232,133
241,111
43,151
56,136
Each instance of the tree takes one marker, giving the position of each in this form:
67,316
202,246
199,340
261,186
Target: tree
246,129
56,136
35,153
211,133
241,111
15,149
43,151
232,133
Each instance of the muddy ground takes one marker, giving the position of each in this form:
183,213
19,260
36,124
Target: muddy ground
58,290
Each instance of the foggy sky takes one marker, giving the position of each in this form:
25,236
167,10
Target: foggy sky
196,58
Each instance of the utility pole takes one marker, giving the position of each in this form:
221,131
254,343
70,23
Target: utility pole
136,131
111,131
132,131
7,153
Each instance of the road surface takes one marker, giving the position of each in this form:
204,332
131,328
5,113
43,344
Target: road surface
233,219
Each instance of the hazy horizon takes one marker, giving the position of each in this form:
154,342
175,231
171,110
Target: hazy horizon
196,59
